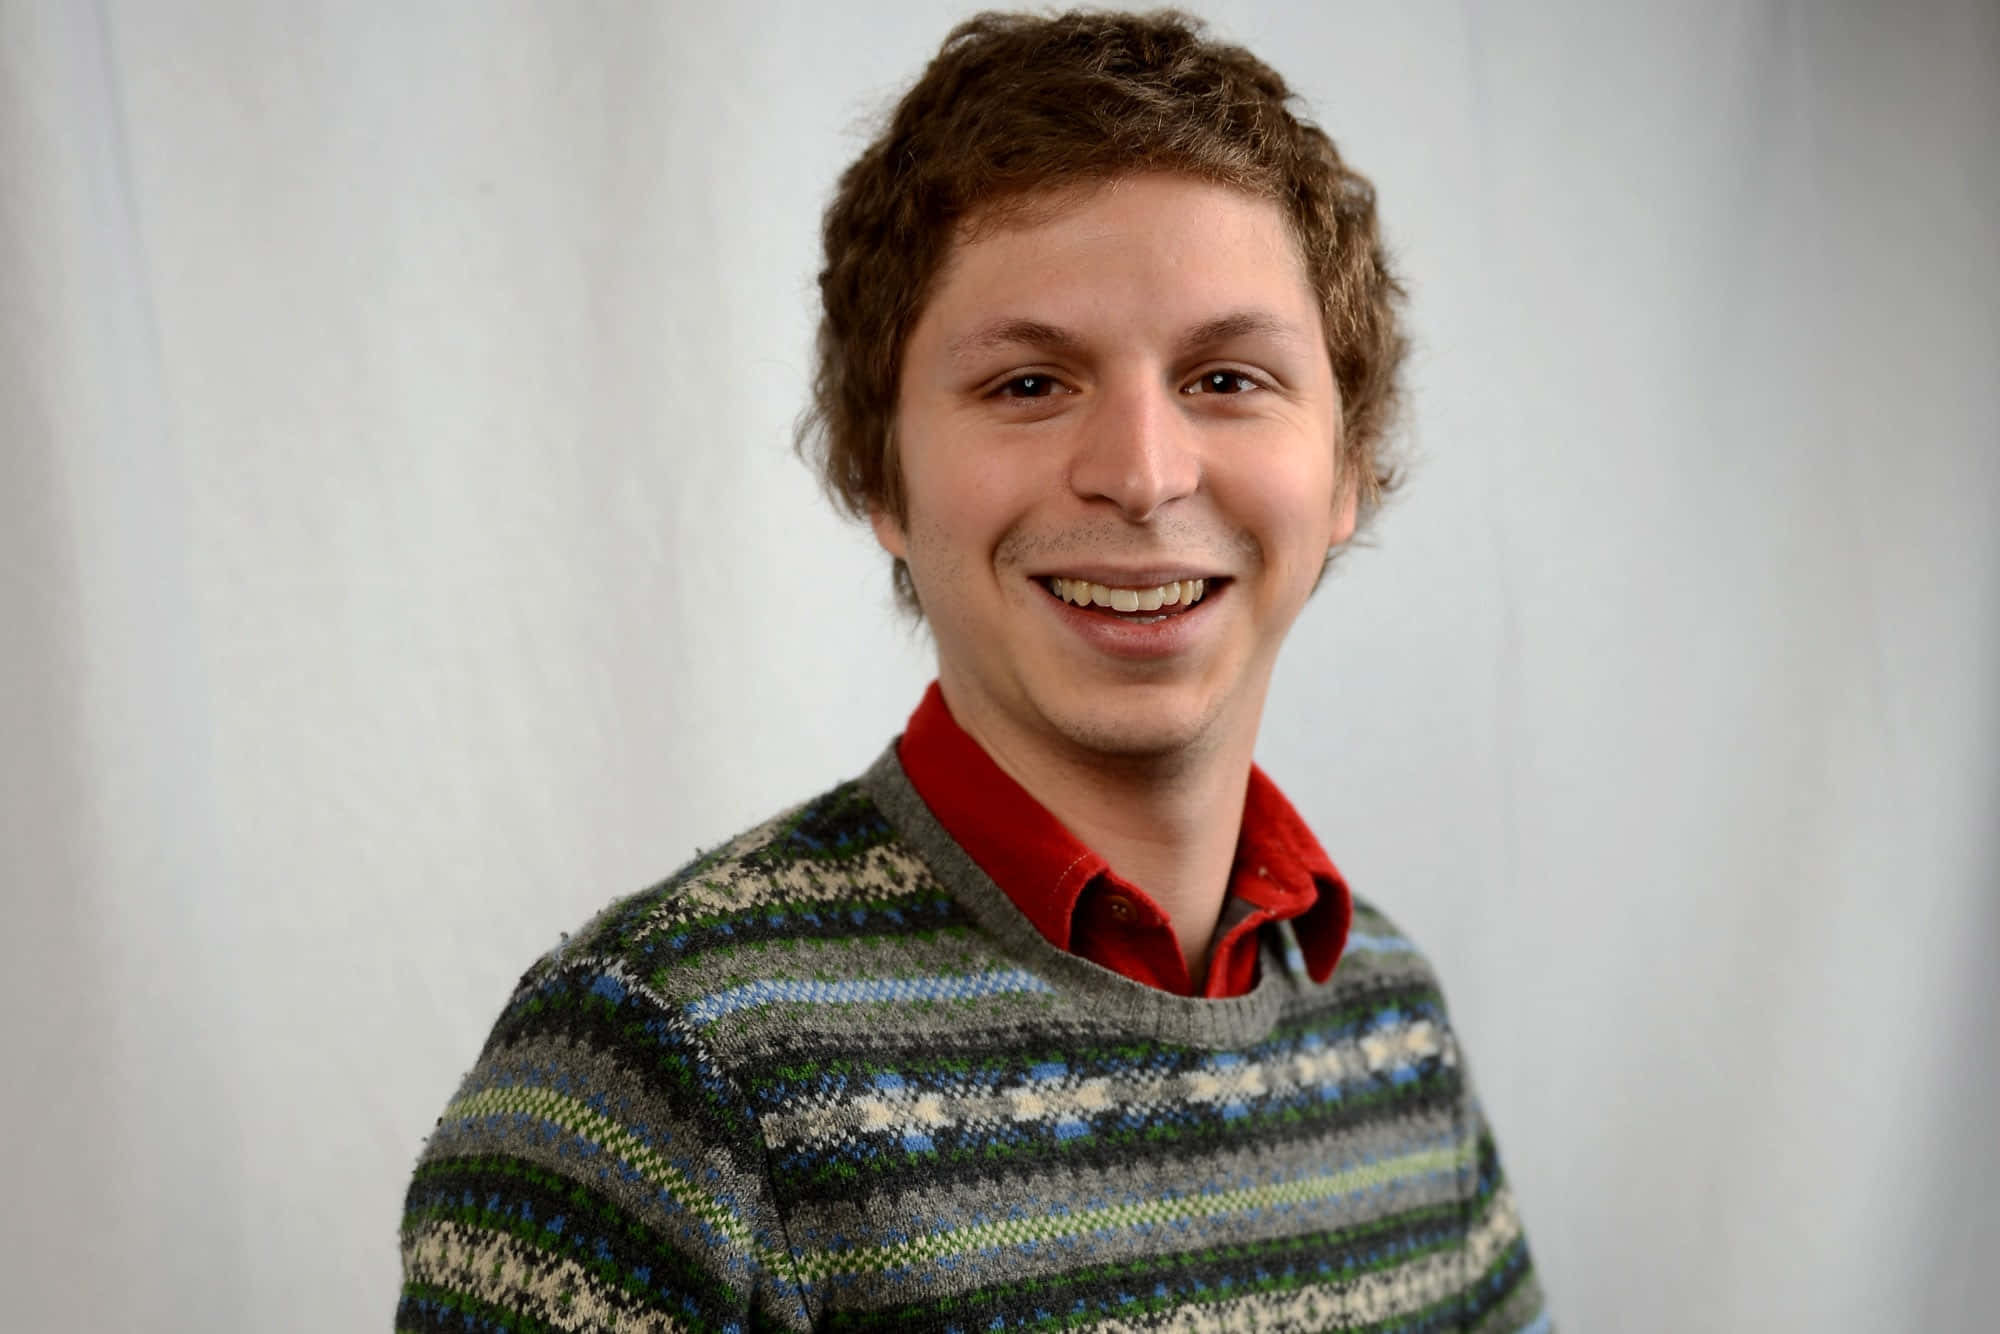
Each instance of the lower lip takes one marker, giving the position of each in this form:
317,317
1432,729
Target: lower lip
1122,638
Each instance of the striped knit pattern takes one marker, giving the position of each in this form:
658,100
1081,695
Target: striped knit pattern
827,1077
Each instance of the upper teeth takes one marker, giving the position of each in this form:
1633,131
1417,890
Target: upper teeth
1086,594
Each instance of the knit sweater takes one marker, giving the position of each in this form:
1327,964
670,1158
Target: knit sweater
828,1077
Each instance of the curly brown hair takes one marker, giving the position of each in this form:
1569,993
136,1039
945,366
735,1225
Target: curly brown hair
1017,105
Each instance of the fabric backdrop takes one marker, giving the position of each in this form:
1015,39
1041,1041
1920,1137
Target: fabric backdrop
401,555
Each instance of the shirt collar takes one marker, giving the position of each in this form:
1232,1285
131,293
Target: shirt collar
1280,867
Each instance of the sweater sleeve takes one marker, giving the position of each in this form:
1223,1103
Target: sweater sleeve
596,1170
1501,1292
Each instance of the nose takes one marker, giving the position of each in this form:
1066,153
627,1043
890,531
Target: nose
1136,451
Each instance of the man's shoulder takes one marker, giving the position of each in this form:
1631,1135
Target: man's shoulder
1374,934
1381,963
834,849
829,861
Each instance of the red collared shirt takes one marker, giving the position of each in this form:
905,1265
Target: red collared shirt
1075,899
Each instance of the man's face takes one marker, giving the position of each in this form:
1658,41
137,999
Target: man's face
1122,393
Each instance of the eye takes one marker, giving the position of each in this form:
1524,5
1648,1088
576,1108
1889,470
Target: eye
1221,382
1030,386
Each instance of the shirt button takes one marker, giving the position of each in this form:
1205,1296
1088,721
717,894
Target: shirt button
1119,908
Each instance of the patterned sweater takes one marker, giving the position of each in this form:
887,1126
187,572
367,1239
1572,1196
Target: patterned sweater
828,1077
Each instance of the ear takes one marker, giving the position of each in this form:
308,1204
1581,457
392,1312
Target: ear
1346,511
889,532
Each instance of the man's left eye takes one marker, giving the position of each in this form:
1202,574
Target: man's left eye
1221,382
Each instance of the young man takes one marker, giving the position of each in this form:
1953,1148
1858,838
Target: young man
1059,1016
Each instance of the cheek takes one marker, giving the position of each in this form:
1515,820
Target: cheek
936,564
968,494
1289,507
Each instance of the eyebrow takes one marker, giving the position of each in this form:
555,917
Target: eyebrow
1054,338
1237,324
1014,333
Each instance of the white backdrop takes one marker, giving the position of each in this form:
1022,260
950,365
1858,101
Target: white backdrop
400,556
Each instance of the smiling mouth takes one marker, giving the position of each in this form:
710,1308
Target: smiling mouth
1140,606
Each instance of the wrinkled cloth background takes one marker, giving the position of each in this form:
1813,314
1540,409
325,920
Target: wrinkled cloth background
401,556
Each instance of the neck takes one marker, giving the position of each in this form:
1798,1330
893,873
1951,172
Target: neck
1167,824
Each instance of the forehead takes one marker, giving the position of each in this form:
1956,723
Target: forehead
1025,210
1164,244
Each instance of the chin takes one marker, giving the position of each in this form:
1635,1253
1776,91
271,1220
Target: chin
1139,734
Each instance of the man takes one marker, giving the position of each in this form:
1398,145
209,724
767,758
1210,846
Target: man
1059,1016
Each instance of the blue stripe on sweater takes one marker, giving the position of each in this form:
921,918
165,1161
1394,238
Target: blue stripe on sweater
1362,942
962,986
